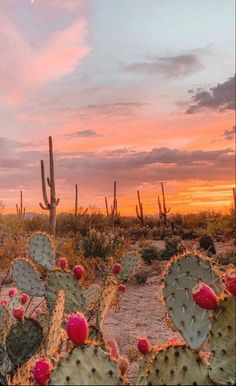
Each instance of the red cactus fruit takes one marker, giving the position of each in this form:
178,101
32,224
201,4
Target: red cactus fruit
122,288
12,292
113,349
204,296
4,302
78,271
24,298
143,345
38,311
42,371
19,313
116,268
63,263
230,282
77,328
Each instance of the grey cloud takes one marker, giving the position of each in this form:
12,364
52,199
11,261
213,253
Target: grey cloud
177,66
220,98
84,134
229,133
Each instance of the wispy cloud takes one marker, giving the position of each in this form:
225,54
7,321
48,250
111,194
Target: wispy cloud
229,134
219,98
83,134
177,66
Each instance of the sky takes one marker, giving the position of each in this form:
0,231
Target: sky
137,91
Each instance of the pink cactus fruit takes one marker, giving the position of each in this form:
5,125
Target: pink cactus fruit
78,271
42,371
12,292
204,296
24,298
19,313
112,347
63,263
77,328
143,345
4,303
230,282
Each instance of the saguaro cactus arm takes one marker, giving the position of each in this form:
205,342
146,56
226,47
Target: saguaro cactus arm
139,208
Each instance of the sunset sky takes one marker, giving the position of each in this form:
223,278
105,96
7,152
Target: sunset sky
140,91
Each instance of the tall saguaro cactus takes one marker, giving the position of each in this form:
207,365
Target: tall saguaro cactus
139,209
20,210
234,197
113,212
52,204
163,211
76,200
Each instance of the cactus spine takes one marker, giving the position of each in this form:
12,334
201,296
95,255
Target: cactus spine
163,211
139,209
52,204
20,210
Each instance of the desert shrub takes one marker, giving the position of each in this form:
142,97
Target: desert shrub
206,243
189,234
173,246
137,232
98,244
141,276
227,257
149,254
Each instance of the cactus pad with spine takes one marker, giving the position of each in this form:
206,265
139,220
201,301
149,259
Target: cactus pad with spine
26,278
4,323
129,266
95,336
41,250
223,343
177,365
109,298
86,365
92,296
54,331
191,320
23,340
65,281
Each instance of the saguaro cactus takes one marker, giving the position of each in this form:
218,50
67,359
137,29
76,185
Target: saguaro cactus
20,210
80,210
234,197
139,209
113,212
52,204
162,208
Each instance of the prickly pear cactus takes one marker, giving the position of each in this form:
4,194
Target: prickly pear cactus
109,298
144,363
86,365
178,365
23,340
14,302
55,331
4,323
26,278
191,320
223,343
95,337
5,363
92,296
129,266
65,281
41,250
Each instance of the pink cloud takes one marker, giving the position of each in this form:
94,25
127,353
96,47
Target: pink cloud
25,66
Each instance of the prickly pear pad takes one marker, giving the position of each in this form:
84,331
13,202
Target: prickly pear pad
40,249
26,278
184,273
223,343
4,323
60,280
109,297
86,365
92,296
178,365
129,266
54,332
23,340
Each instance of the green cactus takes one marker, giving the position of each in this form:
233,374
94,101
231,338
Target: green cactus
73,292
129,266
23,340
92,297
14,302
178,365
86,365
26,278
4,323
5,363
41,250
95,337
223,343
144,363
109,297
191,320
54,331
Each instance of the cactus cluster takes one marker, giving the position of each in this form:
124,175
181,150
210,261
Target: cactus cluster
61,346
